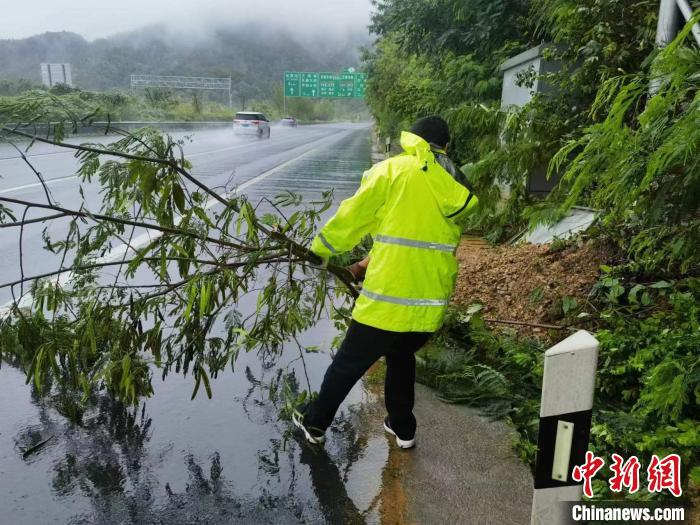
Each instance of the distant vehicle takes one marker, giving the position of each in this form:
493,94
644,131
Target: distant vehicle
251,123
289,121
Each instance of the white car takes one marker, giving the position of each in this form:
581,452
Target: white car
251,123
289,121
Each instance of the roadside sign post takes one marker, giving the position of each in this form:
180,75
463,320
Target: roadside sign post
565,424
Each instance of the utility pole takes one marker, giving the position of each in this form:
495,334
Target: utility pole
669,20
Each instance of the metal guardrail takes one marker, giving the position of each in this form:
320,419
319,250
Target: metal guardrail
100,127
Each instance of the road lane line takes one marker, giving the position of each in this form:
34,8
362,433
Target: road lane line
37,184
148,236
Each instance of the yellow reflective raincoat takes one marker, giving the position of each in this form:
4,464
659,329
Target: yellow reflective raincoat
408,204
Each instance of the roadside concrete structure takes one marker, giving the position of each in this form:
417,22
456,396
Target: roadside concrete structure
670,12
531,62
577,220
522,80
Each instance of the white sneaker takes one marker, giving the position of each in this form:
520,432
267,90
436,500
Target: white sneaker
401,443
312,435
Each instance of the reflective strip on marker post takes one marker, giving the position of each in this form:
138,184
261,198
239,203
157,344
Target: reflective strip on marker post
565,424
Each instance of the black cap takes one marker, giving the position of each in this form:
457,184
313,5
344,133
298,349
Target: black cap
432,129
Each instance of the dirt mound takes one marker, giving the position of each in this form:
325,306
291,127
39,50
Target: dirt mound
526,283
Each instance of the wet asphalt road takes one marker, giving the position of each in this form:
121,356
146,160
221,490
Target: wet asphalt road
224,460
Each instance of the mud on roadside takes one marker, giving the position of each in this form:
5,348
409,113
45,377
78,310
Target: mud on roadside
528,282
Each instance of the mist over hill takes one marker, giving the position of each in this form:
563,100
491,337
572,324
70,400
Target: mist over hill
253,54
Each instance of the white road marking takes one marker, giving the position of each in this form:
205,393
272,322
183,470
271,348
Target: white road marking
143,239
37,184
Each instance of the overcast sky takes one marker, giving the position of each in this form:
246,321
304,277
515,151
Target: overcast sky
99,18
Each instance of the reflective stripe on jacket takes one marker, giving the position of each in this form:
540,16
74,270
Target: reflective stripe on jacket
408,204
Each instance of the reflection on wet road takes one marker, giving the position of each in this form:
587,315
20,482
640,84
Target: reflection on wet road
225,460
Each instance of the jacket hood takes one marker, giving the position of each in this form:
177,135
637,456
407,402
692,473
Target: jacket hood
449,194
416,146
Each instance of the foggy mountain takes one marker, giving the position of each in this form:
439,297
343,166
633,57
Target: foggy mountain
250,53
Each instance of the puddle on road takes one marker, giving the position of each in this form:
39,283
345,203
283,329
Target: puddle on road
391,498
224,460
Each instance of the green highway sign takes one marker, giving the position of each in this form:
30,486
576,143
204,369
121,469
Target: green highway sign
346,85
291,84
328,84
309,84
324,85
360,83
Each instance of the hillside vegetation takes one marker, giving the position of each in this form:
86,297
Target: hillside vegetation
254,55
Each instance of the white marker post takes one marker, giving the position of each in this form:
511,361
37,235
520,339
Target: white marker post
565,424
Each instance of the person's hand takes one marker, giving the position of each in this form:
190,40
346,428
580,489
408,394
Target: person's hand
359,269
357,272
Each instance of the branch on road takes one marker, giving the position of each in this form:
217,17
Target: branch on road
34,170
98,217
534,325
208,252
24,222
339,272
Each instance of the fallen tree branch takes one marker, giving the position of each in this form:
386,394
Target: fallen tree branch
33,221
85,267
535,325
97,217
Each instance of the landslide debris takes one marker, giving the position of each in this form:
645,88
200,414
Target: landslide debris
527,282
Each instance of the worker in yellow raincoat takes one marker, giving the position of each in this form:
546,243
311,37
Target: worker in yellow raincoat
408,204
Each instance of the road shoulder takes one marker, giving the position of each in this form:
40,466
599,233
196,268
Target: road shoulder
463,469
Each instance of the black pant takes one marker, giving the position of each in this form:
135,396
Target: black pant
360,349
